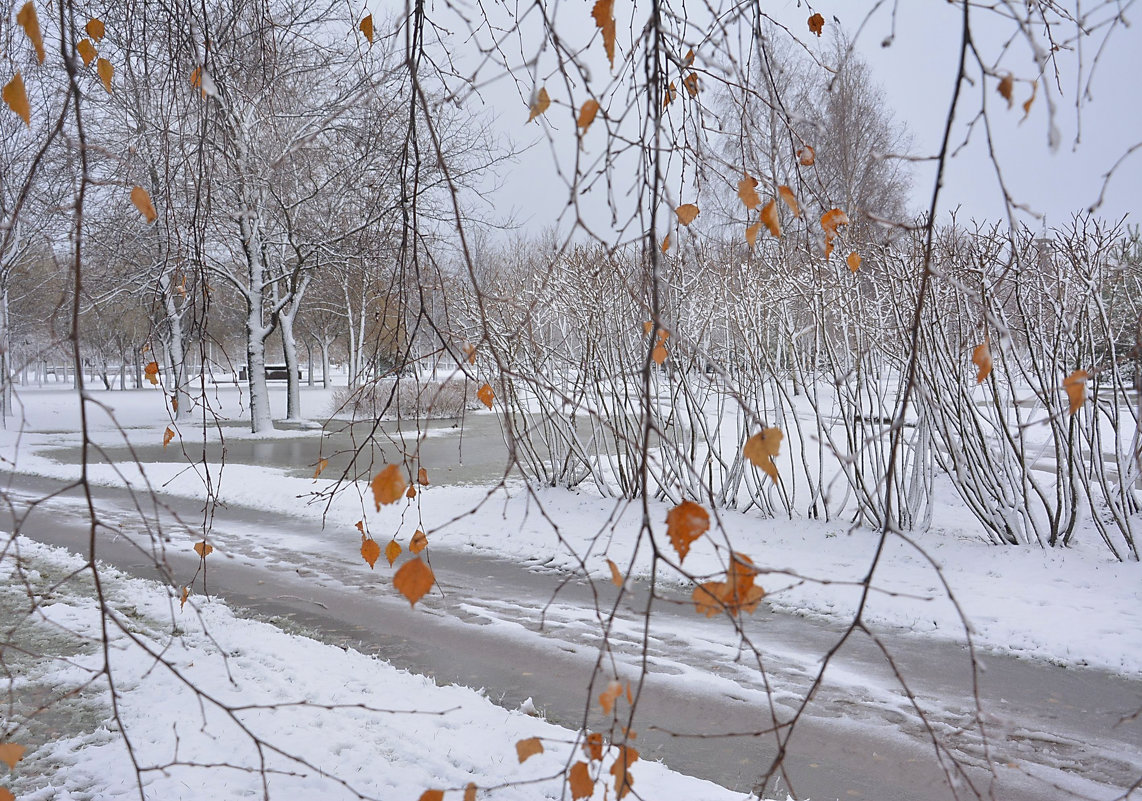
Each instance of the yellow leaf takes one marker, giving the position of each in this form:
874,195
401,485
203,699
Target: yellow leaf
168,435
86,51
806,156
151,371
769,217
528,748
761,448
666,243
1075,385
981,358
608,697
470,792
685,523
31,25
422,477
853,261
95,29
17,99
486,395
142,200
542,101
366,27
413,580
432,795
1006,85
687,213
751,232
587,114
370,551
388,486
321,465
106,73
10,753
816,24
604,14
786,194
616,576
392,551
203,549
579,781
747,191
419,542
691,84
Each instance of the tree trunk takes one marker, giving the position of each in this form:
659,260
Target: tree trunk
293,381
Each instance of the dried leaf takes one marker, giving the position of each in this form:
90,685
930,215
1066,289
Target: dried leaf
761,448
360,524
168,435
142,200
370,551
691,84
413,580
528,748
470,352
671,93
620,769
151,371
593,746
687,213
422,477
685,523
17,98
579,781
321,465
419,542
587,114
410,493
203,549
1075,385
542,101
751,232
816,24
392,551
432,795
981,358
10,754
366,27
1006,87
604,14
470,792
608,697
486,395
616,576
6,794
30,23
106,73
647,326
388,486
95,29
770,218
786,194
853,261
1029,102
735,595
806,156
659,354
666,243
829,221
184,596
706,598
747,191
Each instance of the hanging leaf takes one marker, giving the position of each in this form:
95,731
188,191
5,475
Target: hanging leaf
735,595
659,354
419,542
1006,88
410,493
593,746
1028,102
666,243
671,93
542,101
95,29
106,72
587,114
786,195
751,232
370,551
168,435
27,20
6,794
470,352
432,795
647,326
142,200
321,465
579,781
981,358
816,24
687,213
151,371
747,191
486,395
360,525
806,156
608,697
761,449
691,84
10,754
829,222
17,99
392,551
422,477
616,576
685,523
528,748
853,261
388,486
366,27
184,596
620,769
1075,385
413,580
604,14
770,218
203,549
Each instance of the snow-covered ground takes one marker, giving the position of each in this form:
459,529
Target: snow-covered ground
1076,607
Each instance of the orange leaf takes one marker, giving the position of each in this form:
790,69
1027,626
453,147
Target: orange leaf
751,232
17,98
981,358
174,403
203,549
658,356
432,795
761,448
6,794
853,261
579,781
542,101
616,576
687,213
688,59
422,477
413,580
183,597
528,748
734,595
486,395
671,93
95,29
816,24
620,769
142,200
587,114
392,551
747,191
786,194
647,326
691,84
168,435
388,486
1075,385
608,697
832,218
1027,103
470,352
360,524
685,523
31,25
769,217
321,465
370,551
10,753
410,493
151,371
666,243
604,14
366,27
419,542
1006,85
806,156
593,746
470,792
106,72
706,598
